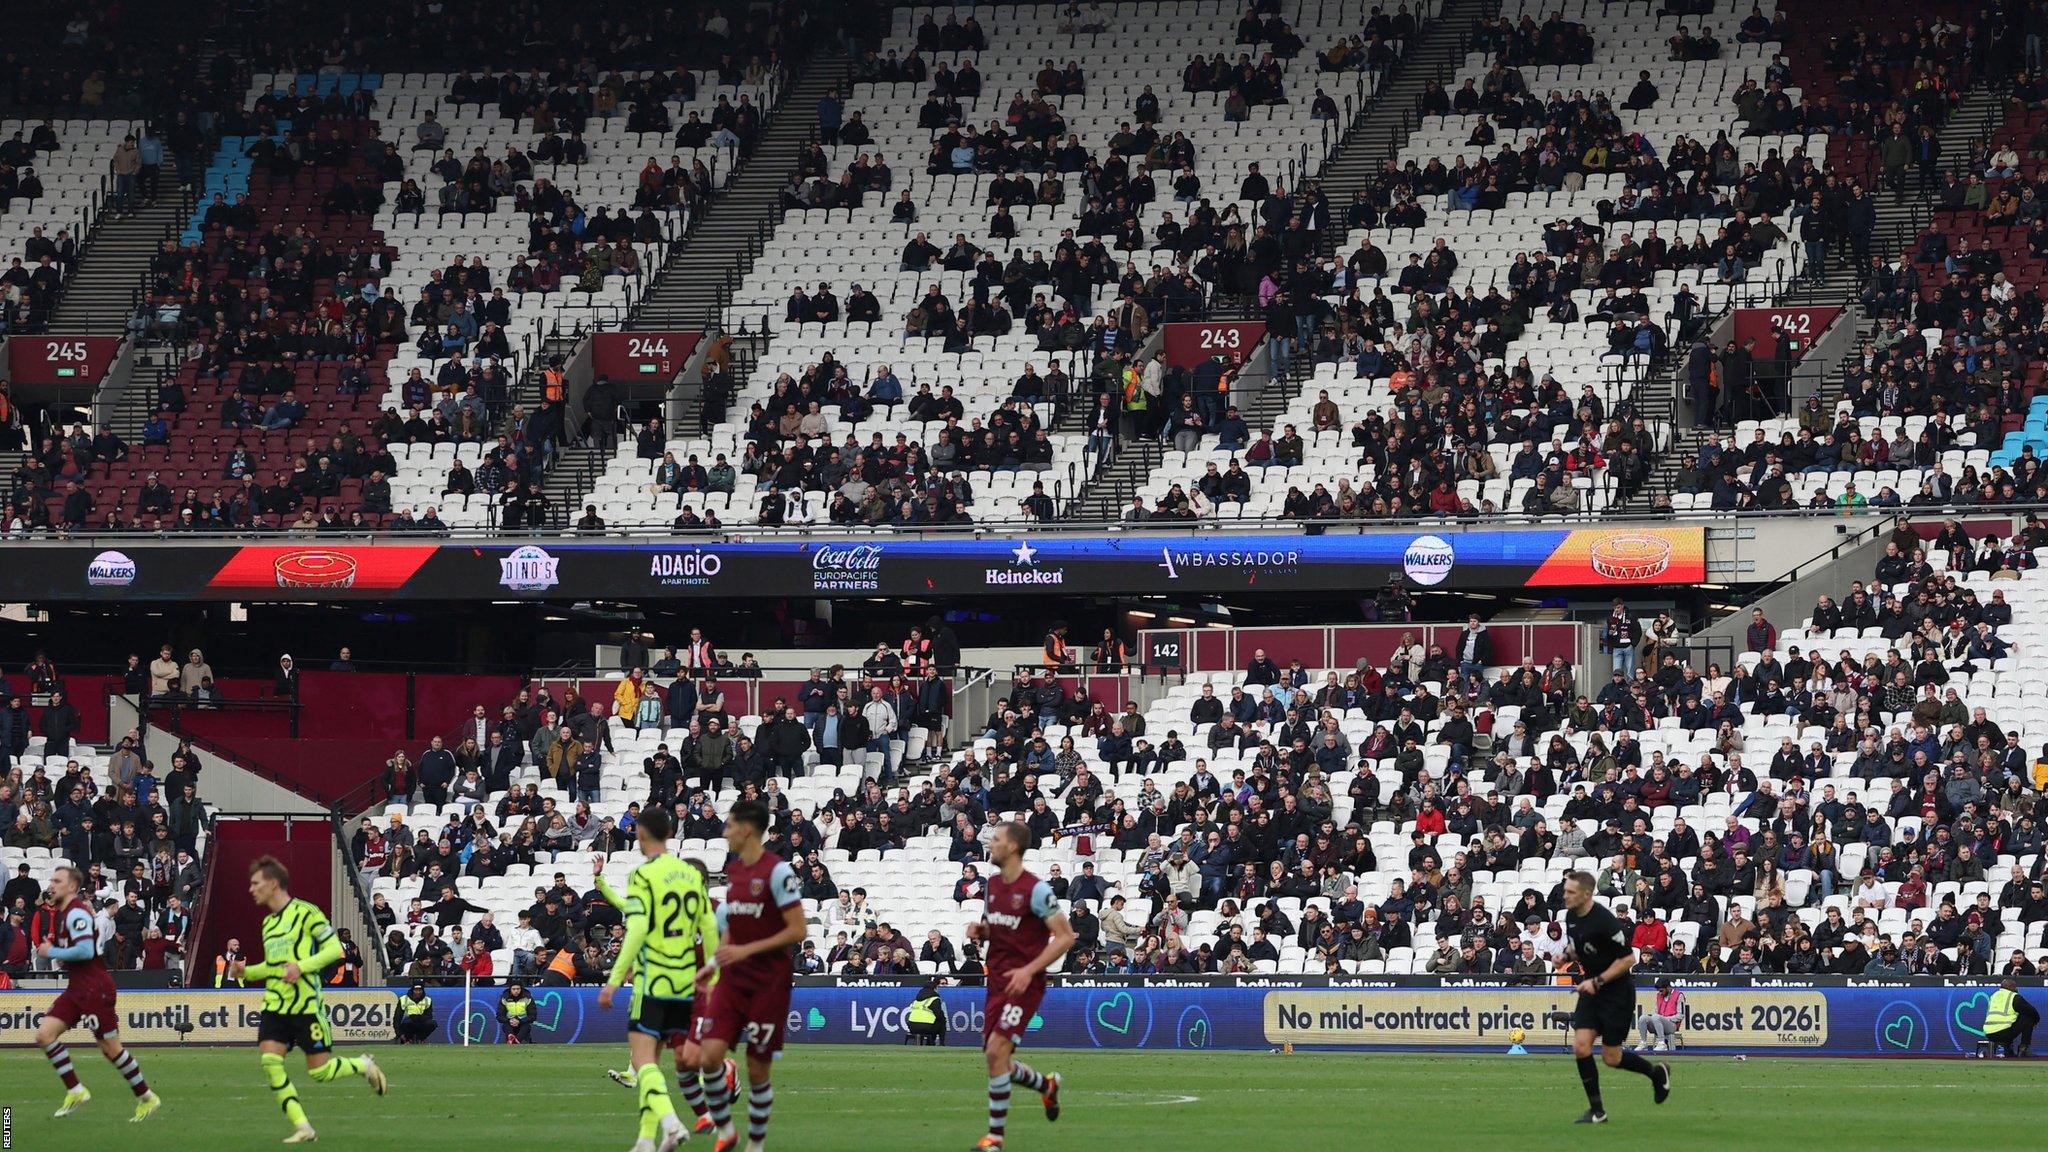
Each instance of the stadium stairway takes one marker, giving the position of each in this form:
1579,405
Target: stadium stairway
101,294
1369,142
1103,498
1383,126
1664,393
1901,219
576,467
125,404
569,482
720,250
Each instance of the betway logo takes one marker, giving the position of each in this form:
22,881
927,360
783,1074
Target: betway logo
736,908
1005,920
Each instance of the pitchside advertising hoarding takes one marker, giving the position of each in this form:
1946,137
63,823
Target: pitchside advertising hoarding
1765,1017
200,1016
148,569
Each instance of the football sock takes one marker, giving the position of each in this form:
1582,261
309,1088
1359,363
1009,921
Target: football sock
1633,1062
690,1082
760,1102
717,1101
60,1060
1589,1075
998,1104
132,1072
1024,1076
336,1069
281,1087
654,1101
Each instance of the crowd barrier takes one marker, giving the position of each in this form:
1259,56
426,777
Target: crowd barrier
1757,1018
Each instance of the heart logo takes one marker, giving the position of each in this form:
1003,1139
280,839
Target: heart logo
1198,1033
547,1014
1899,1033
1037,1022
1976,1006
1115,1013
474,1024
814,1019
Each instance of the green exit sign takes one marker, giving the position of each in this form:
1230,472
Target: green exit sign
649,369
63,373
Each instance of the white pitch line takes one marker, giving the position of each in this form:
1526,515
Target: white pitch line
1150,1099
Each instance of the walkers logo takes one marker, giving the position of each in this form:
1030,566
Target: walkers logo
1428,559
1023,570
529,569
846,568
110,570
694,568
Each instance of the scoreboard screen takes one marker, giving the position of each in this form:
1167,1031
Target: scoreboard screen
644,357
1188,343
62,361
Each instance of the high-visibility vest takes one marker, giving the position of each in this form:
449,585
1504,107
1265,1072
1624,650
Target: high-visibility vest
412,1007
923,1010
221,979
563,965
552,384
1055,650
2001,1014
1134,390
1401,380
514,1009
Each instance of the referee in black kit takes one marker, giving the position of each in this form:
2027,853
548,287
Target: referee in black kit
1607,996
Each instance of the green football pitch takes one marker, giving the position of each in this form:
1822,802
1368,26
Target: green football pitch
556,1098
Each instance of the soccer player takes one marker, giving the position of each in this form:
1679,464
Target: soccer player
88,998
764,919
298,945
689,1077
1607,996
1026,934
668,916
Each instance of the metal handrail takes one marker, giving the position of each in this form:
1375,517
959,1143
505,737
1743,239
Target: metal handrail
1020,525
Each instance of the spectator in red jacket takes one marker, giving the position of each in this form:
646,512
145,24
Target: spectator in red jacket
1761,635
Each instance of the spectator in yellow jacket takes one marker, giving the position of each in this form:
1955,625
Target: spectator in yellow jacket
626,697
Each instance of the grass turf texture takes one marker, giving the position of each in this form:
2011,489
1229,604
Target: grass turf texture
551,1097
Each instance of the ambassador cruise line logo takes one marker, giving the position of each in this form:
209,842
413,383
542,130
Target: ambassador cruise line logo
1023,570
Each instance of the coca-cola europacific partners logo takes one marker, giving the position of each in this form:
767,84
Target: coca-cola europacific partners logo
846,568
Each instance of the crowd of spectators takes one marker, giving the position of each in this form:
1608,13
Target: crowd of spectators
844,715
1963,802
135,828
